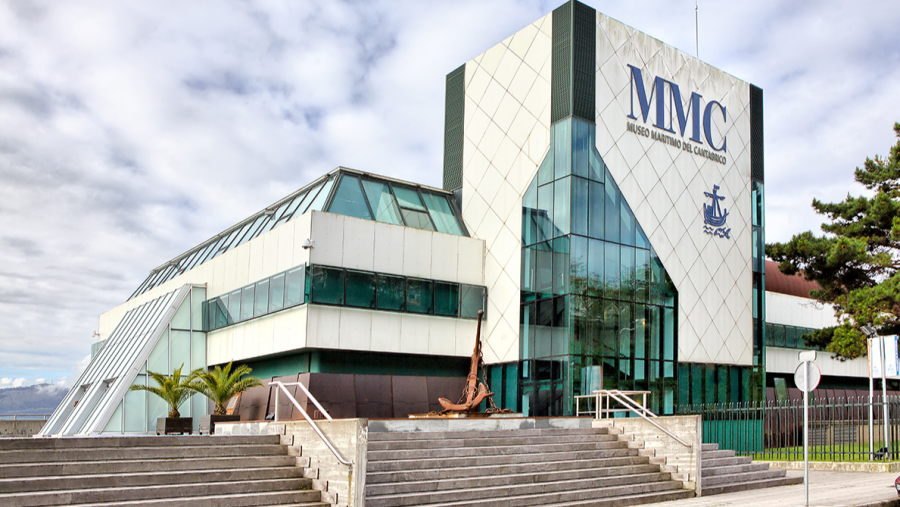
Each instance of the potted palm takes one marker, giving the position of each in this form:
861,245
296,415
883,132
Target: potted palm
220,385
174,390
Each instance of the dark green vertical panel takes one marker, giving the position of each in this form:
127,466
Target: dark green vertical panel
757,162
584,48
454,112
573,73
561,64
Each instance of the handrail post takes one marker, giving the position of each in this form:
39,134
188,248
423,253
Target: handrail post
277,394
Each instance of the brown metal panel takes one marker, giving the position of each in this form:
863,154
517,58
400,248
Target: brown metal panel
410,395
301,399
285,407
254,403
336,394
443,387
373,396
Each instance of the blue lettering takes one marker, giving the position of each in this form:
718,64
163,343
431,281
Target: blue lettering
693,112
637,85
707,124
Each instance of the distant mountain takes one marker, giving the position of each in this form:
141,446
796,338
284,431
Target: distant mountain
36,399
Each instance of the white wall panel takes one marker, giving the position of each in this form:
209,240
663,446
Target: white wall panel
444,256
414,331
328,235
386,332
785,361
356,329
359,244
416,253
442,336
388,255
797,311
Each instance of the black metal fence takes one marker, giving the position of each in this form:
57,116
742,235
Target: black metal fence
773,430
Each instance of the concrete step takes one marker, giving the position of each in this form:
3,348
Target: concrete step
378,436
734,469
25,470
128,480
719,480
507,459
182,492
416,454
11,444
663,496
483,442
136,453
536,497
744,486
455,494
496,482
724,453
374,478
278,498
709,447
721,462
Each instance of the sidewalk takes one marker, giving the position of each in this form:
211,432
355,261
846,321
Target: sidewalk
838,489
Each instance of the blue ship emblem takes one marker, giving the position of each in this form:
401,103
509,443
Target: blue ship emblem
714,215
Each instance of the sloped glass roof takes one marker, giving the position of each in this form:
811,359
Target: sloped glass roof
342,191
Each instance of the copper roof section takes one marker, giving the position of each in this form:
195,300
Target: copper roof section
792,285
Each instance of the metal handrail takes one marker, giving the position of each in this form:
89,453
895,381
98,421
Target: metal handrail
281,387
639,410
25,417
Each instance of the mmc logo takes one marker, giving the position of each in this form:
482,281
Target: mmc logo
667,91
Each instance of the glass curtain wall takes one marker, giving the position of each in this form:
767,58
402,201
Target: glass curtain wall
182,343
596,303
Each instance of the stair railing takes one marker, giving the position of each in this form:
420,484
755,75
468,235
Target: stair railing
281,386
623,398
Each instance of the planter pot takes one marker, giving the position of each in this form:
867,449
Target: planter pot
207,423
171,425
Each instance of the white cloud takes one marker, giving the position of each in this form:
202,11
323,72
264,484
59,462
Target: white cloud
133,131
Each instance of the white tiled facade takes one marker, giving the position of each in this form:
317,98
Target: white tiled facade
507,133
340,241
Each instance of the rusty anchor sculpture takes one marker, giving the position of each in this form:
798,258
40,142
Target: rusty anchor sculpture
475,392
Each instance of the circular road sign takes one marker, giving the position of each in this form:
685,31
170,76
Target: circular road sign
815,375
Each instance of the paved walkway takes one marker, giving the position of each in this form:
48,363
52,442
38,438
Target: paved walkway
843,489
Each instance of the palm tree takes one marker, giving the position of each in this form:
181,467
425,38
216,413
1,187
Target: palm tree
221,384
174,389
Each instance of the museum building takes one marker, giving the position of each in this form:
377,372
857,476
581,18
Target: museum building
602,203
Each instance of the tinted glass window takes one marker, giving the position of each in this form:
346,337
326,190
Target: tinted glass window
360,289
442,214
417,219
276,293
348,199
408,197
382,202
446,299
419,296
295,287
327,285
391,293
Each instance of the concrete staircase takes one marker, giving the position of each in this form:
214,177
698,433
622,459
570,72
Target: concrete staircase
547,467
723,472
153,471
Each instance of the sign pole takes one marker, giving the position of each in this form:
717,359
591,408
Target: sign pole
806,431
806,380
884,404
871,401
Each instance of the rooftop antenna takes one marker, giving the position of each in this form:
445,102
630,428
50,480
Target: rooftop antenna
696,29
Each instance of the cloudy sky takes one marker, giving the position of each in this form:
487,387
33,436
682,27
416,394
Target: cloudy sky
131,131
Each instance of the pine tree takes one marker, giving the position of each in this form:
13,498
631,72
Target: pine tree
857,262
